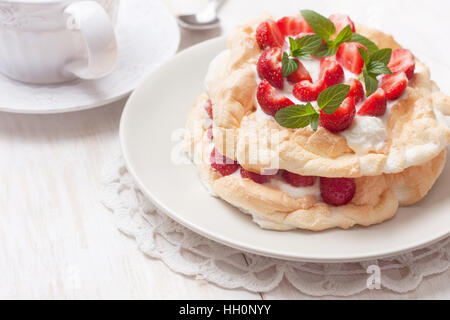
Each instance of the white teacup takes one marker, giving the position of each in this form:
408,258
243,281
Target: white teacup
53,41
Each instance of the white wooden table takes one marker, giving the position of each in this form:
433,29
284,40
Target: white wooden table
58,241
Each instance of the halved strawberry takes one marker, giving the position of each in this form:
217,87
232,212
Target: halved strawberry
292,26
269,67
297,180
337,191
255,177
375,105
356,90
349,57
402,60
300,74
306,91
268,35
209,133
270,99
340,22
223,165
394,84
331,72
341,119
208,108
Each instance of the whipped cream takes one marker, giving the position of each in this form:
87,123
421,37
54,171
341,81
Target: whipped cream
295,192
366,134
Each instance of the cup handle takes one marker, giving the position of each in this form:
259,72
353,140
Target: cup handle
96,27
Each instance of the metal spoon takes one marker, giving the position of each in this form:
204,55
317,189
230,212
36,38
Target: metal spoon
202,20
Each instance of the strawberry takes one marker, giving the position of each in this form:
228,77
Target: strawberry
349,57
208,108
270,99
209,132
375,105
300,74
402,60
255,177
356,90
337,191
394,85
306,91
297,180
292,26
269,67
341,119
340,22
268,35
223,165
331,72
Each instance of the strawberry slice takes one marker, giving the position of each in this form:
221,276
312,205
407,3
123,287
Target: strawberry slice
402,60
340,22
306,91
208,108
341,119
268,35
255,177
269,67
297,180
337,191
292,26
375,105
331,72
270,99
223,165
301,74
394,85
356,90
348,56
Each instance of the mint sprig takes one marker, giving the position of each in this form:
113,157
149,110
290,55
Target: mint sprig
301,116
304,47
301,48
321,26
288,65
375,64
325,29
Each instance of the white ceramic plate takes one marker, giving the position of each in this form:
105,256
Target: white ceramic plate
159,107
147,35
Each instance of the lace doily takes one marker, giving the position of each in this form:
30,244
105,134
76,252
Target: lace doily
188,253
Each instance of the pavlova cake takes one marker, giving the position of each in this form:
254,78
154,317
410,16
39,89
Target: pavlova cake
315,123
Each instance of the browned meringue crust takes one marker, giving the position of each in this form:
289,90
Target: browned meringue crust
376,200
412,122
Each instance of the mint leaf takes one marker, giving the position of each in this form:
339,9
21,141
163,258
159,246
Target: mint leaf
375,68
364,55
383,56
344,36
323,51
297,116
301,54
309,43
320,25
293,44
314,121
370,83
370,46
331,98
302,48
289,65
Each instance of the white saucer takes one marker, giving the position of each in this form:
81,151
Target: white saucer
147,35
